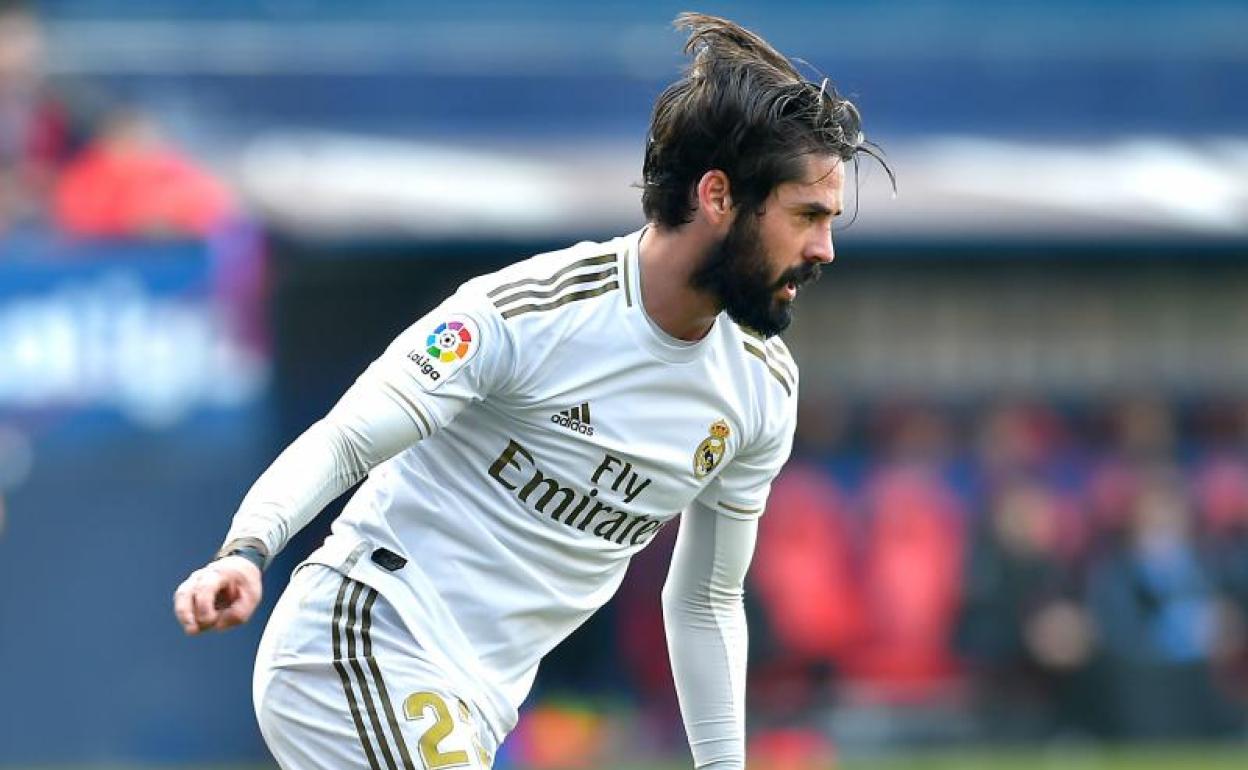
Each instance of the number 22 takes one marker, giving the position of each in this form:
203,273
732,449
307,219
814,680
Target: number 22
434,759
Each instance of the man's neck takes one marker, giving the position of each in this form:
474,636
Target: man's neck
668,258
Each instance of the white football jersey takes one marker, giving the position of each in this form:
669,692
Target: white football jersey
561,429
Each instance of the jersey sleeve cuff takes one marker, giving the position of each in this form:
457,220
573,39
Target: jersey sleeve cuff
744,511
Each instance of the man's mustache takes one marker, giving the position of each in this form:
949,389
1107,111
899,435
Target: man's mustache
804,273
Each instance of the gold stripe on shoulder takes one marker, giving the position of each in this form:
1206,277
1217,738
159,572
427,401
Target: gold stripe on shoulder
575,296
758,353
579,278
628,287
737,509
780,355
602,259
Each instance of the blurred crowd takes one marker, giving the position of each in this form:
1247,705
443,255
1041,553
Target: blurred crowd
75,163
1044,570
1077,569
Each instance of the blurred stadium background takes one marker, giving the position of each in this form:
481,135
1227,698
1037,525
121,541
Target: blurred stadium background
1015,530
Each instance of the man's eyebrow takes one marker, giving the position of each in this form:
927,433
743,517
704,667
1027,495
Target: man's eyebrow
812,207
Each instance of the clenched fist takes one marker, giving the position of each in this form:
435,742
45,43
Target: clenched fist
221,595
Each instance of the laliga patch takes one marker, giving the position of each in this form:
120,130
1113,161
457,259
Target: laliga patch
449,345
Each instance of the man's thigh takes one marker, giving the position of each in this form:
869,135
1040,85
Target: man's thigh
339,685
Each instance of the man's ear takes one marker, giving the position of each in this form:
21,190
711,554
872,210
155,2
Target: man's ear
715,198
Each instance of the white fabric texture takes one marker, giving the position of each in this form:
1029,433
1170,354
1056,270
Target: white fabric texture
309,690
707,637
359,433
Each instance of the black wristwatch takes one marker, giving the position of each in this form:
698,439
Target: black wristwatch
249,548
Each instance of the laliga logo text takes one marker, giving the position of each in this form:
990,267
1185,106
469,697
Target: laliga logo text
426,365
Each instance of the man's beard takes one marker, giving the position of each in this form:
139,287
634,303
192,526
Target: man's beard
738,273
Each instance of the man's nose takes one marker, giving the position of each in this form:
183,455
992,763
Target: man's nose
821,251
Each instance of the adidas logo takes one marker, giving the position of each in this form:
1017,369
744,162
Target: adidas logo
576,418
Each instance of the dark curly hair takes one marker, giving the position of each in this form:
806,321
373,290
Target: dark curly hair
742,108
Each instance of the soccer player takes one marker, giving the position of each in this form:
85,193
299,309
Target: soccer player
530,434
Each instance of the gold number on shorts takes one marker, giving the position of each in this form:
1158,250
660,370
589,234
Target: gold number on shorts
414,708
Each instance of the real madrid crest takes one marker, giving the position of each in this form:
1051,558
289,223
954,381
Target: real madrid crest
708,454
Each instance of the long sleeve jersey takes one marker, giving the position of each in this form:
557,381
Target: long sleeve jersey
521,442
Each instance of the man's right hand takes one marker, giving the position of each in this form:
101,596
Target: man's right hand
220,595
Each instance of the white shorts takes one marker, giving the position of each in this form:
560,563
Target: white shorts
340,683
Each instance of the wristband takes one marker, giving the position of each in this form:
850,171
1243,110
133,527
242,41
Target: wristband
249,548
